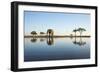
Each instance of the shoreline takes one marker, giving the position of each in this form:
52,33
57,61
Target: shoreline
54,36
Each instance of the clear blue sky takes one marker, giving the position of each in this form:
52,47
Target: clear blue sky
61,23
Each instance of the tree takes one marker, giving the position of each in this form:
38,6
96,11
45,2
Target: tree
81,30
75,30
42,33
34,33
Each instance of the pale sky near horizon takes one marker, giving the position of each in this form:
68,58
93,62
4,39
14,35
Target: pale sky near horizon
61,23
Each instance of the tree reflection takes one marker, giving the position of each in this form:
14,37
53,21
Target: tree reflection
42,39
80,42
34,40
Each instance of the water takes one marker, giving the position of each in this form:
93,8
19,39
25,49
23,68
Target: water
44,49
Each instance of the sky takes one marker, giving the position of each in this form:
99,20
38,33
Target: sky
61,23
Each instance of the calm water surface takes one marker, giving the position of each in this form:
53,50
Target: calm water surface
43,49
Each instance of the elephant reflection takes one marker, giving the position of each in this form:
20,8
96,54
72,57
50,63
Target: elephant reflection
80,42
50,41
33,40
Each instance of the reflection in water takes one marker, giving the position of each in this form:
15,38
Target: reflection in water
50,41
56,49
33,39
42,39
80,42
